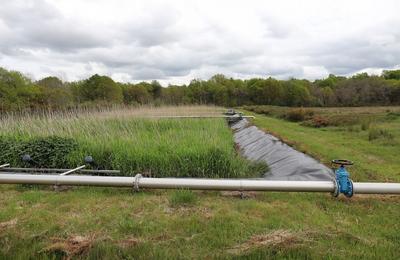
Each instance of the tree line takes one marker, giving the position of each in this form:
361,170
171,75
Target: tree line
18,92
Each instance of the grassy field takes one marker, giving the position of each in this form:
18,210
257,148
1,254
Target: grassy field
106,223
368,136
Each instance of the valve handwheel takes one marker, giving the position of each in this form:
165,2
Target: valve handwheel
342,162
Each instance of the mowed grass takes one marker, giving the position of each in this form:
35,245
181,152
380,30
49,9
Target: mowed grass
105,223
112,223
128,141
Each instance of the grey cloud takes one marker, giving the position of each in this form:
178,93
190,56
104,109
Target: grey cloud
17,12
171,61
151,34
40,25
148,74
353,54
153,28
277,28
164,42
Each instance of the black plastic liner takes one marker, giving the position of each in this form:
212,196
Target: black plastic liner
284,162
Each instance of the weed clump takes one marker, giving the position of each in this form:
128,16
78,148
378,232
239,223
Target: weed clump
365,125
183,198
353,128
376,133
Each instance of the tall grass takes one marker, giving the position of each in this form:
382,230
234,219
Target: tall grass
376,133
124,140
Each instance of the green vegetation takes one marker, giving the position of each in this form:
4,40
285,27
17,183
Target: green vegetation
100,223
50,152
182,198
376,133
369,136
157,147
19,93
323,117
111,223
101,89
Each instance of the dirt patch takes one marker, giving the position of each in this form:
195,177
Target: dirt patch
70,247
240,194
62,188
370,241
160,238
8,224
333,234
129,242
280,238
188,211
134,241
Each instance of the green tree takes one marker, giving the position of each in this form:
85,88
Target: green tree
266,91
363,91
136,94
17,92
391,74
156,89
297,93
50,82
394,94
101,88
175,95
331,81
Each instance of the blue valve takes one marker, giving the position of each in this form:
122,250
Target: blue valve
343,182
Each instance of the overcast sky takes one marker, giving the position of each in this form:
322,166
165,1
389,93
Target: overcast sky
175,41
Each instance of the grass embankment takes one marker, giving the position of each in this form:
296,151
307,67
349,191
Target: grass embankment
126,141
369,136
105,223
99,223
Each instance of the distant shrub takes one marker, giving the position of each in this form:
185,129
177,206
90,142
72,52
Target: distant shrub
299,114
259,109
342,120
353,128
182,198
375,133
347,120
296,115
317,122
393,115
365,125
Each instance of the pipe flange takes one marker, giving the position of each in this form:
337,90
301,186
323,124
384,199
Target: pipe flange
136,182
351,191
336,192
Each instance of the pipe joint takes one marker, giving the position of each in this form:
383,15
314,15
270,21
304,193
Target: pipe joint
136,182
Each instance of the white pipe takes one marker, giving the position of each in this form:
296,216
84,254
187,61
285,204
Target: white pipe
238,184
376,188
198,184
217,116
54,170
4,165
73,170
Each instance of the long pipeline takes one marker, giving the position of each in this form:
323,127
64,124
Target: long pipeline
197,184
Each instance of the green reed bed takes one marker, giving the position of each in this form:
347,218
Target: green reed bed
159,147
